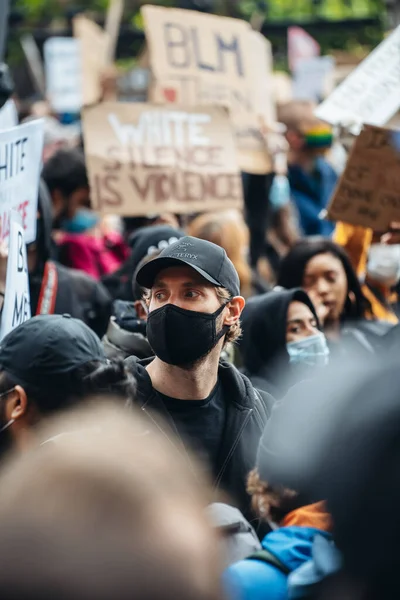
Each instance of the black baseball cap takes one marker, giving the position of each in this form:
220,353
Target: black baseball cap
43,351
208,259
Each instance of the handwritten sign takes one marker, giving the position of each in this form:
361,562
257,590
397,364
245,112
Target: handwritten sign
20,163
145,159
313,77
200,59
301,46
94,45
17,305
8,115
368,192
371,93
63,74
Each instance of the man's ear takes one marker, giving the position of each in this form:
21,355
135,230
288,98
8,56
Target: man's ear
233,310
141,312
16,404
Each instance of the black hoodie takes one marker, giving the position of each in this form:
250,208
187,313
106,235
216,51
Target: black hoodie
77,294
263,344
247,413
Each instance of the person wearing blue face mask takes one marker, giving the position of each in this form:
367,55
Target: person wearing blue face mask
282,343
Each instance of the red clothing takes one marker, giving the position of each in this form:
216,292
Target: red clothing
96,256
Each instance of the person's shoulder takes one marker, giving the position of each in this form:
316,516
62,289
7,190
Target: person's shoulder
255,580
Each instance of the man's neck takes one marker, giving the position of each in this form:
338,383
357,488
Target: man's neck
184,384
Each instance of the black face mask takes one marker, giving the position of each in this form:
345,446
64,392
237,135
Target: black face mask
181,337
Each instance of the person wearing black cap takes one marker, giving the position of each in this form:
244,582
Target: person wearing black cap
48,364
194,309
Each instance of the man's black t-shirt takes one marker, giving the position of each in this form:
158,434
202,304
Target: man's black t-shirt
200,423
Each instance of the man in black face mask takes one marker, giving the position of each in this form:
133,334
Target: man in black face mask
194,309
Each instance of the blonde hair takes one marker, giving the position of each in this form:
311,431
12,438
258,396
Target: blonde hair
228,230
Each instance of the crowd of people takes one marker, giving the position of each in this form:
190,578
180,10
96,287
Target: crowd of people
205,406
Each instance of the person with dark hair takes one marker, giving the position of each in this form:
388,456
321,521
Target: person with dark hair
82,243
48,364
194,304
282,342
55,289
323,270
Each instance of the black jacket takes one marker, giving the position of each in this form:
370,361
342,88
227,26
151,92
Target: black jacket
78,294
247,413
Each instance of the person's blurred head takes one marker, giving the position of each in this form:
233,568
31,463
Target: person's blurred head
323,269
305,133
47,365
66,178
228,230
109,509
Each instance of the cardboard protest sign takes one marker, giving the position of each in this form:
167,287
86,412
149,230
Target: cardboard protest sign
313,78
8,115
368,192
113,23
34,62
20,164
300,46
145,159
199,59
371,93
17,305
62,61
93,46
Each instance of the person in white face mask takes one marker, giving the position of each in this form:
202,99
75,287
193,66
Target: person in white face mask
382,276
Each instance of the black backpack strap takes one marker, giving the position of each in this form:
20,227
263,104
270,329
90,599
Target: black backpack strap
270,559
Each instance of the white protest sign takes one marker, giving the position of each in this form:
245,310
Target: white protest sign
371,93
17,304
312,77
8,116
20,164
63,74
300,46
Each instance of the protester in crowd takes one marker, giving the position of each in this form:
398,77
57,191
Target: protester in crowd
105,510
48,364
194,309
82,243
57,289
312,179
146,241
377,265
323,269
228,230
282,342
295,526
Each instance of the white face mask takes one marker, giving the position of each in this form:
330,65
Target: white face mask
384,263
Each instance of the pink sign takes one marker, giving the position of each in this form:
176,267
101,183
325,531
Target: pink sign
301,46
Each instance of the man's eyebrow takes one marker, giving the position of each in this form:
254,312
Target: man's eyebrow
187,284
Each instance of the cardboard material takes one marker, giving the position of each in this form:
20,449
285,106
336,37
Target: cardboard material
371,93
301,46
113,24
94,43
200,59
20,165
145,159
17,305
368,192
34,62
62,59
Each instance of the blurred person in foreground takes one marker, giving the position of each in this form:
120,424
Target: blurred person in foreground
55,289
49,364
228,230
295,525
282,343
194,306
312,179
82,243
105,511
323,270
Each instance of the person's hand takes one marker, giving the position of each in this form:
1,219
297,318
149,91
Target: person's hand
393,235
320,308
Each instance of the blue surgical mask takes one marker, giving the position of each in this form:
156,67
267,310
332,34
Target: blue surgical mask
312,351
279,194
83,220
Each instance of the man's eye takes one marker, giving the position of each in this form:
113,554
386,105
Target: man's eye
159,295
191,294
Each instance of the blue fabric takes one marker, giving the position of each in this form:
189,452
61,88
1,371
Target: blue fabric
256,580
311,193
